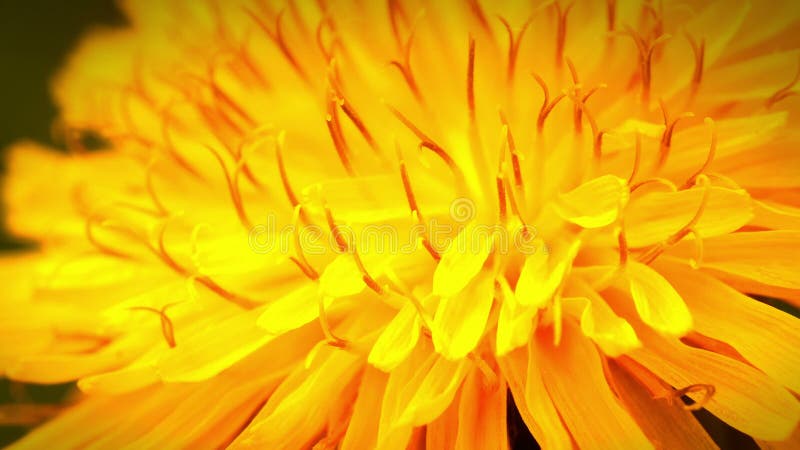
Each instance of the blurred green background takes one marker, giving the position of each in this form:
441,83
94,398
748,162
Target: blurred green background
35,38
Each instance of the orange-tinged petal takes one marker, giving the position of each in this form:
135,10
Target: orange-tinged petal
481,415
767,337
70,430
666,423
595,203
286,421
791,443
362,432
774,166
656,301
744,397
101,281
775,216
656,216
573,376
443,432
533,402
768,257
224,431
719,23
397,339
752,287
752,79
460,321
781,15
147,418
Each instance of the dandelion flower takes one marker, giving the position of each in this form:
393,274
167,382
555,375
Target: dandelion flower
385,224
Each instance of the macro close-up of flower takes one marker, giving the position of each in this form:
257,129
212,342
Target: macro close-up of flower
410,224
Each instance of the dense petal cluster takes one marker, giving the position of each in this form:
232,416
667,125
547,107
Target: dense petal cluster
355,224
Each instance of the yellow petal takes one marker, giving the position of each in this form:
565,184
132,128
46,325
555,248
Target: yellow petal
53,181
431,391
538,281
462,260
291,311
460,321
542,274
355,202
767,257
392,434
632,126
656,216
128,379
207,352
656,301
418,391
84,71
514,323
341,278
534,286
613,334
595,203
60,368
101,281
397,339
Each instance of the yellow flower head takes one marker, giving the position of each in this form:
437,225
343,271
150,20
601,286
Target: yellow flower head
360,224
